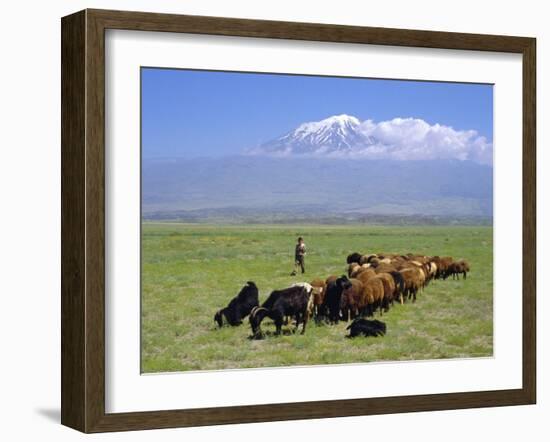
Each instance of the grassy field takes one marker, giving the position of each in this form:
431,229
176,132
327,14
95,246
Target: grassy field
190,271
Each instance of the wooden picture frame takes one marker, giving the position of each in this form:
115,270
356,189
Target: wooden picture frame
83,220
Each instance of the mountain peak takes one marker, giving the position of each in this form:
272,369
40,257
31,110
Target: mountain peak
342,120
338,133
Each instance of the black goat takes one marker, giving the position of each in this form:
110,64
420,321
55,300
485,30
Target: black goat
294,301
366,327
240,306
333,298
353,257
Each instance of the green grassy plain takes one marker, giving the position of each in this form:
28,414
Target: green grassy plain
189,271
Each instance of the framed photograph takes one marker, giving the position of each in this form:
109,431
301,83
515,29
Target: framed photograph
267,220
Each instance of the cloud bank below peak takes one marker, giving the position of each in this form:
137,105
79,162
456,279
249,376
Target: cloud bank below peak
344,136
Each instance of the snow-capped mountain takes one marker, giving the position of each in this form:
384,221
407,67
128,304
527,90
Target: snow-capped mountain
345,136
336,134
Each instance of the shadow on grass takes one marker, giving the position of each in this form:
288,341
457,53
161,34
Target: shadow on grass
272,334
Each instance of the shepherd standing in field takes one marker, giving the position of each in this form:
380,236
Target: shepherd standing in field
299,254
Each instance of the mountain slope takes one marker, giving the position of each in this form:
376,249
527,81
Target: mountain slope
316,186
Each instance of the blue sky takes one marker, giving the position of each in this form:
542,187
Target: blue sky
188,113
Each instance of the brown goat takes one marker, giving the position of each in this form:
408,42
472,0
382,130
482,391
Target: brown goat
365,275
359,270
353,267
365,259
442,266
411,282
455,269
373,293
352,301
318,295
385,268
389,289
465,267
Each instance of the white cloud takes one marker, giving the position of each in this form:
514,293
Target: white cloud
415,139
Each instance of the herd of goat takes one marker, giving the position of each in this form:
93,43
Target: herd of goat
373,284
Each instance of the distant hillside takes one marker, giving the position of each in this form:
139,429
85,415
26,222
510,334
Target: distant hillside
264,188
